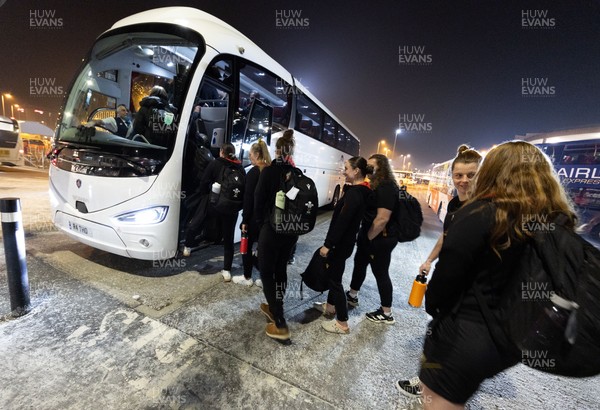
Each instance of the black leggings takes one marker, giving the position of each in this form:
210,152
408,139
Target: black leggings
336,295
273,255
228,230
378,254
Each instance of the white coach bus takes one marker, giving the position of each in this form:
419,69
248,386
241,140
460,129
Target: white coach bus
11,145
125,195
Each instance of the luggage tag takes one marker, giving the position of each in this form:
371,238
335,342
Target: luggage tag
291,194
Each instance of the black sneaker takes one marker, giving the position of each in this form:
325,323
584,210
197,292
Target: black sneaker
379,317
352,301
411,388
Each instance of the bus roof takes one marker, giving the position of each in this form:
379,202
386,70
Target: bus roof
222,37
554,137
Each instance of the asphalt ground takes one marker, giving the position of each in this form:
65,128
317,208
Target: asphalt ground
107,332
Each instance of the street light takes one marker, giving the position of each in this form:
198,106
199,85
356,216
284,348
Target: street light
404,161
385,151
7,95
379,143
398,131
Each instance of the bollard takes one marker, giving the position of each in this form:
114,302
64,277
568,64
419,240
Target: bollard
14,250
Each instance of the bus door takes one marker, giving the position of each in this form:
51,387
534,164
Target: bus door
258,126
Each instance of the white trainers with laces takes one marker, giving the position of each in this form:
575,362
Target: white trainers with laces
226,275
241,280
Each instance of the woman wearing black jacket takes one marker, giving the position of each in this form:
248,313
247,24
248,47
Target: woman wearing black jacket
147,120
341,237
274,248
376,241
515,184
260,158
227,219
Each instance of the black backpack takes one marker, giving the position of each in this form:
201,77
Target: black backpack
299,214
315,275
233,182
548,316
161,125
409,217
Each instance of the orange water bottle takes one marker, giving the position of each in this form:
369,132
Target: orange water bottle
244,243
418,290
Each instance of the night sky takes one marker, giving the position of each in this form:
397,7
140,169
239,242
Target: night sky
482,71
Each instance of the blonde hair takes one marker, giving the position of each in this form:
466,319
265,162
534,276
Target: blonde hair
261,151
522,183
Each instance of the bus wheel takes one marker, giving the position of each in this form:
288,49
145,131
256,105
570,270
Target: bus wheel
336,197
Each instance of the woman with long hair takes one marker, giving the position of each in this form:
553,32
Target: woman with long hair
260,158
376,240
515,184
274,248
463,169
340,240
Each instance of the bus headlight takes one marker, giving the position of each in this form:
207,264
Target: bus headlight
146,216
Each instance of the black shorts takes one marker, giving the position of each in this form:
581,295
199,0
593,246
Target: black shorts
459,354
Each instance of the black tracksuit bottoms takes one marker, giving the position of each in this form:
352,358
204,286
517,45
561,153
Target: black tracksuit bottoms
273,255
378,254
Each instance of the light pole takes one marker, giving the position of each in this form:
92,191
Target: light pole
398,131
404,162
7,95
379,143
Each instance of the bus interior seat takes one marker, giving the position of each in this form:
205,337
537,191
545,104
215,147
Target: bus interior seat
211,118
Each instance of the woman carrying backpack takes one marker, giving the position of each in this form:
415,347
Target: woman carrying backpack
225,209
274,248
341,237
260,158
515,184
377,239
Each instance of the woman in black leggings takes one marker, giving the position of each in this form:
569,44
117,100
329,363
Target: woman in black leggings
341,237
274,248
377,240
260,158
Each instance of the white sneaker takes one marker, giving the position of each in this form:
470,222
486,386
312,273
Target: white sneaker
226,275
258,283
241,280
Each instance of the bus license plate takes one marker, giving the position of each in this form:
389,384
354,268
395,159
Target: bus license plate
84,230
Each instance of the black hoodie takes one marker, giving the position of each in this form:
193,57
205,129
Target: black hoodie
148,123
